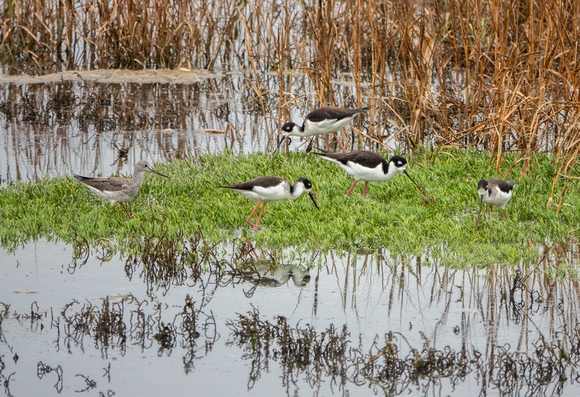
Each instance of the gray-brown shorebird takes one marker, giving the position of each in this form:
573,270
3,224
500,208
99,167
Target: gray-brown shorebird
117,189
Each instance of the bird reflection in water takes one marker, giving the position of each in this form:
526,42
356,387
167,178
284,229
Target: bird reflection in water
267,273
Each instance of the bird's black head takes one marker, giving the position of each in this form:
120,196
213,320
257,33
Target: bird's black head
398,161
288,127
482,185
307,184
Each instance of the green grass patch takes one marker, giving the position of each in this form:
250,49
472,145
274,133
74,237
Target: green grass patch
393,216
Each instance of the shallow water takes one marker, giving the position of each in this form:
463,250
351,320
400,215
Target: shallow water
70,317
103,122
371,294
80,126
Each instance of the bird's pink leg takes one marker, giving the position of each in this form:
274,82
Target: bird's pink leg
352,187
504,215
249,220
327,142
365,189
339,142
260,217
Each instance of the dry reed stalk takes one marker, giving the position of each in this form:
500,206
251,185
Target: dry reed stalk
259,93
566,156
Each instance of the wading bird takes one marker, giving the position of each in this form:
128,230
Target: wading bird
367,166
272,188
495,192
326,120
116,189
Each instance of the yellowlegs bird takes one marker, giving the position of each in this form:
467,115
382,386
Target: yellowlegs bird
321,121
118,189
367,166
495,192
272,188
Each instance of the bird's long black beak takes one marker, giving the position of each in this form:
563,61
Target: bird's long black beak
314,200
409,176
280,143
480,201
159,173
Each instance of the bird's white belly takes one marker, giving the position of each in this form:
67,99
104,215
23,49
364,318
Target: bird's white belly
499,198
325,127
365,174
267,194
113,197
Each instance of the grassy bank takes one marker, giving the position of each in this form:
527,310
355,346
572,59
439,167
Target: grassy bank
393,216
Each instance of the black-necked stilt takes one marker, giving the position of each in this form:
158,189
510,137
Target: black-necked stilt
116,189
367,166
326,120
495,192
272,188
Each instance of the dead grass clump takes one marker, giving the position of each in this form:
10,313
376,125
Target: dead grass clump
48,36
163,259
4,311
299,350
115,324
43,370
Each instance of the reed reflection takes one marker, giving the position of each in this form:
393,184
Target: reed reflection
73,124
513,329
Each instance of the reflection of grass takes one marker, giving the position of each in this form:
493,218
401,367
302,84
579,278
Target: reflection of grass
303,351
393,216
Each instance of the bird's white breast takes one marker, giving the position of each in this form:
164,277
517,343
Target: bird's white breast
325,126
497,197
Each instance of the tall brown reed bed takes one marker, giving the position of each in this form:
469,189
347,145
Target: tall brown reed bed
495,75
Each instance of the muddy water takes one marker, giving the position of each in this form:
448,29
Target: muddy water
502,324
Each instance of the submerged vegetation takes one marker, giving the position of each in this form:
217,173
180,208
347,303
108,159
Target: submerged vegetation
389,362
314,350
394,215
